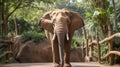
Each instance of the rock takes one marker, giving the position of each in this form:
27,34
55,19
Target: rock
76,55
38,52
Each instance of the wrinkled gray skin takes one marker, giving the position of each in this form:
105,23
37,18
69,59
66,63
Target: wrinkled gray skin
59,26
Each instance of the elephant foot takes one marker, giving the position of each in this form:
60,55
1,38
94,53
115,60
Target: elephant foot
67,65
56,65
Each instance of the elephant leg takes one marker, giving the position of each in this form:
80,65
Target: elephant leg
67,47
55,51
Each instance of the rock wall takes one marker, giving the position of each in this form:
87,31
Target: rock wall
38,52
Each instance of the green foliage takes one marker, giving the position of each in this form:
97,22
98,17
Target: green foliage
29,10
77,7
33,35
99,15
89,14
73,5
22,25
116,42
118,15
75,42
104,49
33,10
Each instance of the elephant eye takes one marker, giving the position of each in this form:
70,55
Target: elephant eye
53,15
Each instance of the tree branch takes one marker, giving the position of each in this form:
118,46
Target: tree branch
94,42
109,53
5,53
20,2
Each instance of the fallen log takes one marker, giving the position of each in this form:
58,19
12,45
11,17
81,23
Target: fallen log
109,53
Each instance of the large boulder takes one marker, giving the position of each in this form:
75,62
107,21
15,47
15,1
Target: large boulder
76,55
38,52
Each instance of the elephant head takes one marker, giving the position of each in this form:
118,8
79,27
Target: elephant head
61,21
61,24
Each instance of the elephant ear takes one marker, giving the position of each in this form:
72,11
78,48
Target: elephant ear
76,21
46,23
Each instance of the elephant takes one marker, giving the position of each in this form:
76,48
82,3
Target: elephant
59,26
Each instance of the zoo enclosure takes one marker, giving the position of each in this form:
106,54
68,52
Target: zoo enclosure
88,48
6,50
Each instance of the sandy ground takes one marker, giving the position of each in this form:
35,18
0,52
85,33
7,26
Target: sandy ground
91,64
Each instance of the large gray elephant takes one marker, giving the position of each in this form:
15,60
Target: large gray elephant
59,26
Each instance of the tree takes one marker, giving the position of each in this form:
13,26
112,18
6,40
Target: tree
101,17
8,7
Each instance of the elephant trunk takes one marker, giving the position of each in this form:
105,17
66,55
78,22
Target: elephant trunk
61,33
61,39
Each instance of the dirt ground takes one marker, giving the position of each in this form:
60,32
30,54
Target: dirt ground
74,64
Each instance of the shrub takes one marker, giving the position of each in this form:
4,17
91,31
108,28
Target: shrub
75,42
33,35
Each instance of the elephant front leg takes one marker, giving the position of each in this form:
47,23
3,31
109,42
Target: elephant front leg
67,55
55,52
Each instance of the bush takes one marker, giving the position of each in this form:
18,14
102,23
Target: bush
33,35
75,42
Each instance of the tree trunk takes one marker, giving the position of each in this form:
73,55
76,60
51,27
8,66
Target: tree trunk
87,59
84,30
110,45
2,16
86,40
83,52
15,26
5,16
99,50
4,28
114,21
0,28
